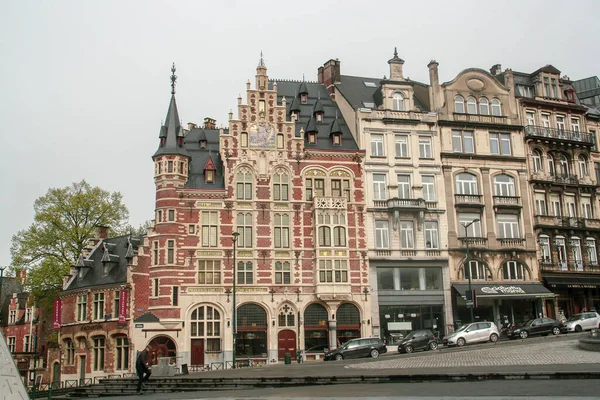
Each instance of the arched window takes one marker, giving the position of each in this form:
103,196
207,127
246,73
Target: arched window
459,104
537,161
398,102
484,106
466,184
590,244
316,330
582,166
513,271
286,316
324,236
564,164
244,184
576,252
504,186
496,107
348,322
551,167
205,323
477,270
544,242
471,105
251,324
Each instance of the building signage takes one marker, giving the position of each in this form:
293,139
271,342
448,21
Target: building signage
502,290
207,205
208,254
580,286
57,313
251,290
123,305
139,325
91,327
204,290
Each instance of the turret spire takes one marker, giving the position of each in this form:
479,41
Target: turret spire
261,63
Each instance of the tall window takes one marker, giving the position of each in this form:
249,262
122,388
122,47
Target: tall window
466,184
551,166
407,235
69,352
28,312
404,187
209,228
244,184
155,253
116,299
425,147
586,208
537,161
508,226
340,188
324,236
280,186
175,296
12,316
382,234
540,204
583,171
283,273
333,271
401,146
560,123
546,120
245,273
476,270
377,145
244,228
82,307
379,187
98,305
170,251
122,353
500,143
155,287
575,124
496,108
459,104
398,102
209,272
564,164
12,344
329,223
462,142
474,229
314,187
428,182
471,105
98,354
431,235
590,244
530,118
282,231
576,251
504,186
544,242
513,270
171,215
484,106
27,343
205,323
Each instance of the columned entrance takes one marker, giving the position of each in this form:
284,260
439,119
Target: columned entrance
286,343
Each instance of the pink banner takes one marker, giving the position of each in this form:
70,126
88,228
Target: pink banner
122,306
57,313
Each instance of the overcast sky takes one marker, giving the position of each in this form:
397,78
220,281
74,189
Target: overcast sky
85,84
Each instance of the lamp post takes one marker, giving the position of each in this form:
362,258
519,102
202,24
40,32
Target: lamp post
233,317
466,226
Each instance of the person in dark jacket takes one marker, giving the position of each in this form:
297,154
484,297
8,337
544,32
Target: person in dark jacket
141,367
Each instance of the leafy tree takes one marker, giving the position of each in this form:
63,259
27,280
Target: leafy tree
65,218
131,230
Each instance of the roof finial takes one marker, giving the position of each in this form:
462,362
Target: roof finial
395,51
302,77
261,63
173,79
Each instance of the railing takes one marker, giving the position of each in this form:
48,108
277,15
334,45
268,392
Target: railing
408,253
335,203
577,266
559,134
474,241
396,115
467,198
566,222
507,201
433,253
565,179
511,242
406,204
431,205
488,119
383,253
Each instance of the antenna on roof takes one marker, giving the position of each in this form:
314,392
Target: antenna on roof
173,79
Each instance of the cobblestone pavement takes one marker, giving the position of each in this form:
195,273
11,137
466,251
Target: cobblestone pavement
558,353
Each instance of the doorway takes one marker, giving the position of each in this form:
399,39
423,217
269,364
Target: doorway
197,351
286,340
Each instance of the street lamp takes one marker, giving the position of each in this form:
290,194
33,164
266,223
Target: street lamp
466,226
234,319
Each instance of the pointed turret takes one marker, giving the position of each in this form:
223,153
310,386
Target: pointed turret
318,110
335,127
171,132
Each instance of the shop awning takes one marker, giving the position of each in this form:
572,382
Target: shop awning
503,291
573,282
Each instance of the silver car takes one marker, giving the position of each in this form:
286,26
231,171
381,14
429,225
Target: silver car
473,333
582,322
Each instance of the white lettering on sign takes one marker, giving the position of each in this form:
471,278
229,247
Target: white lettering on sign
502,290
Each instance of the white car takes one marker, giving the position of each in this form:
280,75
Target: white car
473,333
582,322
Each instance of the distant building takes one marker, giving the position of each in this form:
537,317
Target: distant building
588,91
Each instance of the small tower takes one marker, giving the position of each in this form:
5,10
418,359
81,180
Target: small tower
262,79
396,64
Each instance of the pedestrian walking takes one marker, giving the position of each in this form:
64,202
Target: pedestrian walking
141,367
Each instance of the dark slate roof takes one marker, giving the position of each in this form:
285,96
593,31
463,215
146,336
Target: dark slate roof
147,317
318,107
316,91
170,132
115,251
199,158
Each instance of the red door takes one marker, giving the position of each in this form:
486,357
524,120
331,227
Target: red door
197,351
286,344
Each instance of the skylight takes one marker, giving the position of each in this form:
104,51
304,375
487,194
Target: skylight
369,84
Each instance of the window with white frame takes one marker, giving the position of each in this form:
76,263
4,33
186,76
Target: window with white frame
484,106
575,124
12,344
209,272
556,205
377,146
560,123
462,141
571,208
564,164
466,184
425,149
245,273
471,105
82,307
121,353
590,244
209,228
586,208
398,102
170,251
508,226
407,235
530,118
432,240
496,108
561,251
244,228
205,324
333,271
551,166
280,186
428,182
98,305
546,120
382,234
576,251
537,161
556,92
155,287
476,270
282,231
379,187
547,88
28,313
12,316
583,170
500,144
459,104
513,271
404,187
402,146
474,228
544,242
504,185
540,204
99,343
244,184
283,273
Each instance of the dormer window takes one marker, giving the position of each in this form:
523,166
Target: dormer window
336,139
210,176
319,116
312,137
398,102
203,144
295,115
570,95
303,98
162,141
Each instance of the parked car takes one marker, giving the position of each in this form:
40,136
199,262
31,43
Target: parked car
538,326
418,340
473,333
355,348
321,348
582,322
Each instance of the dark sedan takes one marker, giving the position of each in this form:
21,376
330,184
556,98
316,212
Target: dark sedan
538,326
355,348
417,340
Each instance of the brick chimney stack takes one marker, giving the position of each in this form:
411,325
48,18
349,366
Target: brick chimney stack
434,88
209,123
329,74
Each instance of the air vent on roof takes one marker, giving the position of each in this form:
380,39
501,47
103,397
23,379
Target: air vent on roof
369,104
369,84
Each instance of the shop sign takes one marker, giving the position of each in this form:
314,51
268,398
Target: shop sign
502,290
581,286
250,336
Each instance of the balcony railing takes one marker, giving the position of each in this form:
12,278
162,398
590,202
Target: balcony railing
335,203
474,241
507,201
402,253
566,179
535,131
408,253
566,222
431,205
396,203
487,119
512,242
561,266
467,198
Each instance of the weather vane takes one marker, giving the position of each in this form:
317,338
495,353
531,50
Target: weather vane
173,79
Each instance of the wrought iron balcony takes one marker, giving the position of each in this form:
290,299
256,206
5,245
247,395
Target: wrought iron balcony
542,132
576,267
566,179
507,201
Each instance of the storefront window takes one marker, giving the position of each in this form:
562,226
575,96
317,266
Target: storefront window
398,321
316,332
433,278
409,279
251,339
385,278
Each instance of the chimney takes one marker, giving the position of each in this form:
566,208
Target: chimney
434,81
210,123
496,69
21,275
329,74
191,126
102,231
